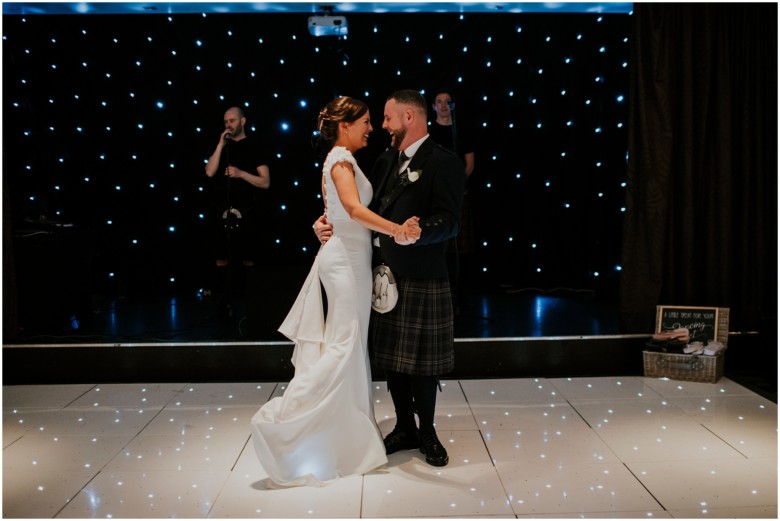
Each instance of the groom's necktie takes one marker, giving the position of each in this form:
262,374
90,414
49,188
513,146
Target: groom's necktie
402,158
392,182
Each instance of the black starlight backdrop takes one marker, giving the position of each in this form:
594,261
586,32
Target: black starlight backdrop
109,119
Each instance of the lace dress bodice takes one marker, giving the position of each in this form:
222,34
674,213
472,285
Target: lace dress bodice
333,207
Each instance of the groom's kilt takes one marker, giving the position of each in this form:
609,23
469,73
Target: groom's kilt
417,336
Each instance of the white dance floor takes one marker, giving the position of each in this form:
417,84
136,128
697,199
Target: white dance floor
607,447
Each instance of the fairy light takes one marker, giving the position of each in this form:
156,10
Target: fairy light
542,94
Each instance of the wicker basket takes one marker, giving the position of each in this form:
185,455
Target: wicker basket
692,368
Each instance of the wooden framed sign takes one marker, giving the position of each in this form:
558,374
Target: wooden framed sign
703,323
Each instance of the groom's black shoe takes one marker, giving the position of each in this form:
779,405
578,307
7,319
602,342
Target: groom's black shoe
401,440
435,453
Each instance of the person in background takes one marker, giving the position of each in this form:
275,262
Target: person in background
239,173
448,132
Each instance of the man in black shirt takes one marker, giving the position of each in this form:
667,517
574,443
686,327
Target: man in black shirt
446,132
239,173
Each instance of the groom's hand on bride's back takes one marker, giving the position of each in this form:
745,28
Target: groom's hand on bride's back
322,229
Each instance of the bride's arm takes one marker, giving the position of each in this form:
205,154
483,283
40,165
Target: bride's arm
344,179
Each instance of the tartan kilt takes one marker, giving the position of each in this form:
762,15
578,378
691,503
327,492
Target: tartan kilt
417,336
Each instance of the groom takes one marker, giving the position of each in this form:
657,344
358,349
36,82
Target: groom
413,343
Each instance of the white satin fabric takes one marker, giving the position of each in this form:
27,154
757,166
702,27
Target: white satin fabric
323,427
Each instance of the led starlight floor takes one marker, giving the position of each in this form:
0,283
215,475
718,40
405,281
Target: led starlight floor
582,447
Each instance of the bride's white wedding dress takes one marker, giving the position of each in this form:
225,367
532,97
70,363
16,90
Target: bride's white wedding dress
323,427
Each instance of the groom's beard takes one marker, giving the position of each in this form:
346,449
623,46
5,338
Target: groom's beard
398,138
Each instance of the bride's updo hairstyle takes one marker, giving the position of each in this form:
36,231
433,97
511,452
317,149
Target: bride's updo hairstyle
340,110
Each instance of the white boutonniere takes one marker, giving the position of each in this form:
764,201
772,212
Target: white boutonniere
410,176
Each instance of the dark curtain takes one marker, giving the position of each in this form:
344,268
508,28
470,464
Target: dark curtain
701,221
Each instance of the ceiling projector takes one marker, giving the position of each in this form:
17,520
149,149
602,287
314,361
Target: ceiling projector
328,25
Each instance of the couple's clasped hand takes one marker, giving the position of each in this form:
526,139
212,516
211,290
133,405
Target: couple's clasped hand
404,234
408,232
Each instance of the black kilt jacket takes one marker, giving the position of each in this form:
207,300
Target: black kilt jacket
417,336
436,197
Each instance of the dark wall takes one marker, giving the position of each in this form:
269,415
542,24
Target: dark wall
108,120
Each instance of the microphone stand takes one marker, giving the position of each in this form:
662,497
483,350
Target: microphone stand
228,219
454,130
227,164
457,254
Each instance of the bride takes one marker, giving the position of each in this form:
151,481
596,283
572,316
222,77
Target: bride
323,427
